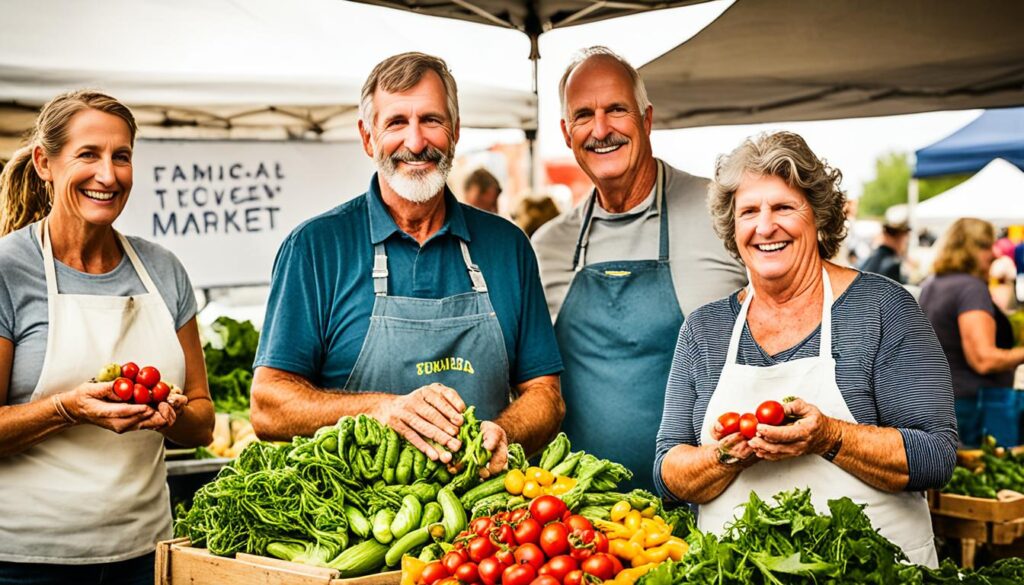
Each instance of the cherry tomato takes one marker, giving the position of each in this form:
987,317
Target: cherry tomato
577,522
160,392
433,572
546,580
140,394
490,570
528,531
559,567
574,578
480,548
771,413
518,575
748,425
130,370
453,559
481,526
148,376
554,539
547,509
124,388
468,573
600,566
730,422
505,557
530,554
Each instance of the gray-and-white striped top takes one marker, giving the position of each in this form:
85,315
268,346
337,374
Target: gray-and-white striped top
889,367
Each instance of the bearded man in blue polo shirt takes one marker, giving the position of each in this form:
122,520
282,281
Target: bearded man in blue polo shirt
405,304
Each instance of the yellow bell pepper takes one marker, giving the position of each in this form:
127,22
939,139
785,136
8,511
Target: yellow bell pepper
412,569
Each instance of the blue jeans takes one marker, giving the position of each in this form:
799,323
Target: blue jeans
968,421
137,571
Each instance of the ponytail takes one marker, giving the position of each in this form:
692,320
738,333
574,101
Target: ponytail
24,197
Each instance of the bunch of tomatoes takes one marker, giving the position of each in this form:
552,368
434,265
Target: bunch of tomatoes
140,385
542,545
769,412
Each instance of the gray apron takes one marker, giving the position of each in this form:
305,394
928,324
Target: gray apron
455,341
617,331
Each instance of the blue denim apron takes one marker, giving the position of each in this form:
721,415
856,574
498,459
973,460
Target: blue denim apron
617,331
455,341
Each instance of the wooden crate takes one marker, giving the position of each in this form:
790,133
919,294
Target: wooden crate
983,509
179,563
977,521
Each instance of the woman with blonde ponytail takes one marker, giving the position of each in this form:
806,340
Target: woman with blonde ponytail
83,494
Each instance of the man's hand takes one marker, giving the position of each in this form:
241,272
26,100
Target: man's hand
496,441
430,412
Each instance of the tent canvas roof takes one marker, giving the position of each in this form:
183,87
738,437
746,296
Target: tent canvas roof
995,194
789,60
994,134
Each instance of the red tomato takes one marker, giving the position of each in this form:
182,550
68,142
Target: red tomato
730,422
490,571
600,566
547,509
124,388
554,539
546,580
148,376
453,559
504,534
433,572
771,413
518,575
468,573
559,567
574,578
130,370
518,515
528,531
480,548
481,526
748,425
600,542
161,391
530,554
140,394
616,563
505,557
577,522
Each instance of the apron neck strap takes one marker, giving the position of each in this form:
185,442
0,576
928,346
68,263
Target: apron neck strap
380,270
825,348
660,204
49,266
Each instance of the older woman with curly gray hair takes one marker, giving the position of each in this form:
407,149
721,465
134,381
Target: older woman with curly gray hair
831,379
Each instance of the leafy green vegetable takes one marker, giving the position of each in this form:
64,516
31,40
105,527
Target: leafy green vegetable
1000,469
229,357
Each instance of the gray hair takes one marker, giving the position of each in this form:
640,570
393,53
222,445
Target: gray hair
401,73
639,90
784,155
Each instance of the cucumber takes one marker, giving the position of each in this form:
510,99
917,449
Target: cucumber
454,515
357,522
362,559
492,486
382,526
403,545
431,513
407,518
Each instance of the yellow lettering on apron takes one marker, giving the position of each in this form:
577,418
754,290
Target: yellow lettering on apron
617,272
457,364
469,368
419,369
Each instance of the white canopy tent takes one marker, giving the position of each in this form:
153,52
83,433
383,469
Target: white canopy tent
258,69
995,194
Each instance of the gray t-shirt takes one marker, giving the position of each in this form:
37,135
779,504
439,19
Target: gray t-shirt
23,302
702,269
944,298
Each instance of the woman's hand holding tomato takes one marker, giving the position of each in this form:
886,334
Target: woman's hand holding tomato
732,444
812,433
95,403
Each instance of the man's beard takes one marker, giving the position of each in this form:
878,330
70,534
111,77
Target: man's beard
415,185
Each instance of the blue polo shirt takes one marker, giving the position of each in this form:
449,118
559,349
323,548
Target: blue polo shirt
321,292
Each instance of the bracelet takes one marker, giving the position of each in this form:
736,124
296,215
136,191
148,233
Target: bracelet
726,459
831,453
59,406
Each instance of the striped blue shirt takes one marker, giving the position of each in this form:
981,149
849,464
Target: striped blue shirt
889,367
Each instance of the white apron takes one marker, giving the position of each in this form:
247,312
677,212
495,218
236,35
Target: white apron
87,494
903,517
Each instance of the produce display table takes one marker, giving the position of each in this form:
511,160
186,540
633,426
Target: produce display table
179,563
975,521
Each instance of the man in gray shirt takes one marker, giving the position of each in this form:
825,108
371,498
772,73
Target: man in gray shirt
622,269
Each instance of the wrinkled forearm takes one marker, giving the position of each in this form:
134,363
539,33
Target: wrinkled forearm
534,416
695,474
874,455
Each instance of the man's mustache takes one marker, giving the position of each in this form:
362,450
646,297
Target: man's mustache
428,154
606,142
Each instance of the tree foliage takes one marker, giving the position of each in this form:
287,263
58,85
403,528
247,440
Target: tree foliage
891,182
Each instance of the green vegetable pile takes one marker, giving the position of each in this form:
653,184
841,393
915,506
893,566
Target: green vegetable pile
229,359
354,497
1000,469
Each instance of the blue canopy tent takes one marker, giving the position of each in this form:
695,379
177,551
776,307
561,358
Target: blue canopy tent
994,134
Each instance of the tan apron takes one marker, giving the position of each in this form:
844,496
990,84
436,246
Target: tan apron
902,517
87,494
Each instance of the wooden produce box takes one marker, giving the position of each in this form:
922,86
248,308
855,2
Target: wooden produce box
1003,509
977,521
179,563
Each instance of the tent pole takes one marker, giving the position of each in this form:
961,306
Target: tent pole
535,167
912,200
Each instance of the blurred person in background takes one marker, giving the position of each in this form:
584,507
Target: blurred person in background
887,258
975,334
84,495
533,212
481,190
